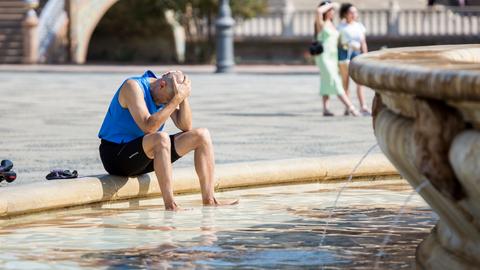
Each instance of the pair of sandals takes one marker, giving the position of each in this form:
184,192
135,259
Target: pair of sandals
61,174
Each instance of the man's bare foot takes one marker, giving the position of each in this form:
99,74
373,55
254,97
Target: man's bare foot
175,208
215,202
172,207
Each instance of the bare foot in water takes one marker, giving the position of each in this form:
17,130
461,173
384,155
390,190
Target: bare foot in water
215,202
178,209
174,207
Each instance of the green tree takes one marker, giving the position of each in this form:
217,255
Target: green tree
240,8
192,12
144,19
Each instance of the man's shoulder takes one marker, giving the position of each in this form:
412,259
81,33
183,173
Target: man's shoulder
131,90
132,84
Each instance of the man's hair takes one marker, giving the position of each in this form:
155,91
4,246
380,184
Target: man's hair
168,78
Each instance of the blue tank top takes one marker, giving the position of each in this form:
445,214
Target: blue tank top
119,125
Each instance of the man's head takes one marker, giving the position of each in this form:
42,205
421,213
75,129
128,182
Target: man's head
166,88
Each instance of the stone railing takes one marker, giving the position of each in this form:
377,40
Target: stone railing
444,22
378,22
53,17
426,118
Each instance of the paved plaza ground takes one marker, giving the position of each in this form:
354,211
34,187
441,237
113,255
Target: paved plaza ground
50,117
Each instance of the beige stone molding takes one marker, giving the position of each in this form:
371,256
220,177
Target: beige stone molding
55,194
450,72
458,236
426,117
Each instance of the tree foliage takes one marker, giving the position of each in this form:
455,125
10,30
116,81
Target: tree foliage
133,28
145,17
240,8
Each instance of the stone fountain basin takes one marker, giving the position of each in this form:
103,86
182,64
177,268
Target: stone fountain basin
426,117
449,73
40,196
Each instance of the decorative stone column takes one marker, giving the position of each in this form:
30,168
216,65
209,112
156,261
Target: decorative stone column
224,32
426,119
288,11
393,12
30,33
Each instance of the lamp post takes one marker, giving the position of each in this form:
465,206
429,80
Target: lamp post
224,35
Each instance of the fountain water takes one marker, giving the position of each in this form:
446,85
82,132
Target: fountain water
380,253
332,208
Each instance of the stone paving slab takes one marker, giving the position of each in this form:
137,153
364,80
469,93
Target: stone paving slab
51,119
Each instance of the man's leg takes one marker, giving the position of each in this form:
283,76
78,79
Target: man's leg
157,147
199,141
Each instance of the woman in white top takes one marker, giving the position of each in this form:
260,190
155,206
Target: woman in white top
352,44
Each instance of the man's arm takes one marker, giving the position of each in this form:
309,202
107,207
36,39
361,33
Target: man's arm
132,97
182,118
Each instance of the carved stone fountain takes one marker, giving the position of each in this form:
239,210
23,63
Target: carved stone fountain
426,117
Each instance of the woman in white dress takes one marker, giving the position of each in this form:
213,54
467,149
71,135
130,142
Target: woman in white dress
352,44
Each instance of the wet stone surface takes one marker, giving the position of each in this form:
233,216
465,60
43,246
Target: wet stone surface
274,228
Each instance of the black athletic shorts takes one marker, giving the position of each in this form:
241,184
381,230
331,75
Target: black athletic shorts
129,159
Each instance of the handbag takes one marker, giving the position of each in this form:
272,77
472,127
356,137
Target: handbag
315,48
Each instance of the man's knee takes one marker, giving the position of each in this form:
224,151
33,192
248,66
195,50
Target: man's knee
203,136
161,140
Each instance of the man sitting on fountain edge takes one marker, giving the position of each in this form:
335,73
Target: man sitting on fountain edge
132,140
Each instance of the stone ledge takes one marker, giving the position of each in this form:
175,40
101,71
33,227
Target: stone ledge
57,194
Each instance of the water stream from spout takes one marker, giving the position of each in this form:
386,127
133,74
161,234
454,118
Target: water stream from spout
380,253
332,209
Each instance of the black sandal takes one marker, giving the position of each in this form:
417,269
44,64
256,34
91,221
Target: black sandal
61,174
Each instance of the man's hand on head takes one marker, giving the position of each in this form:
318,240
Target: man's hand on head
182,89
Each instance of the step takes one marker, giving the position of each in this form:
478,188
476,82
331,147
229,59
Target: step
13,10
10,52
11,16
17,4
10,31
11,59
17,45
11,37
10,24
